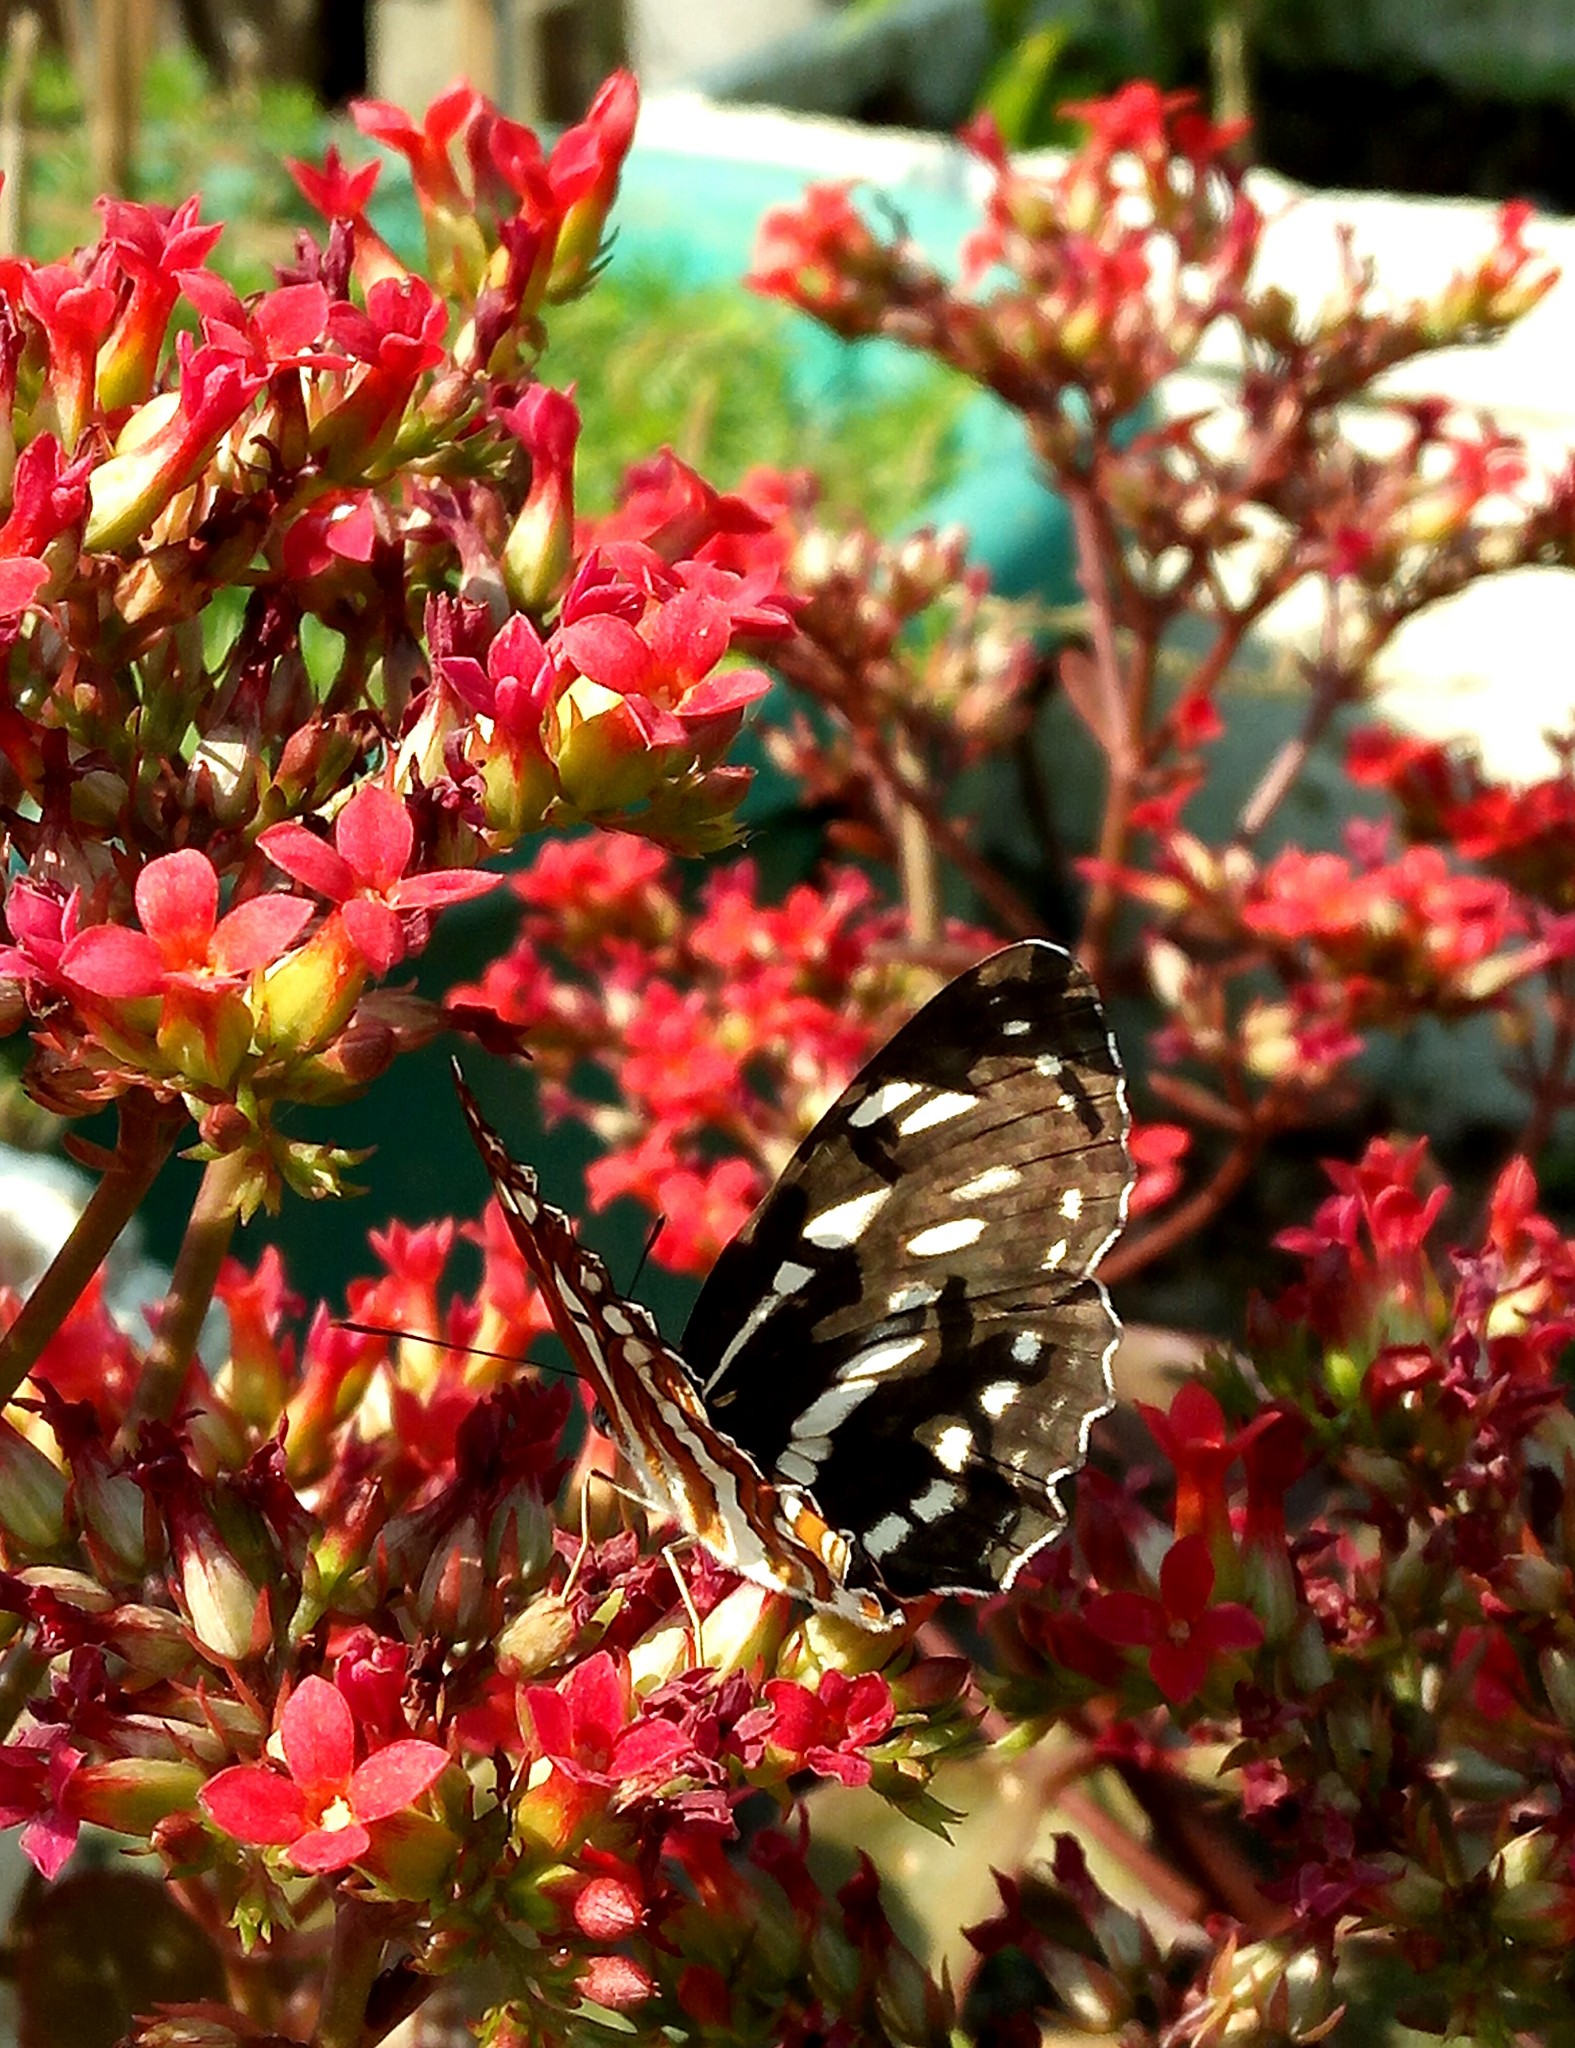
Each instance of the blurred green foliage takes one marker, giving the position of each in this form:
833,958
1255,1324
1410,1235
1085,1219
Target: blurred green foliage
718,376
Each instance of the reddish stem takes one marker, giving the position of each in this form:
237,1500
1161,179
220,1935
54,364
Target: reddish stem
1188,1217
147,1136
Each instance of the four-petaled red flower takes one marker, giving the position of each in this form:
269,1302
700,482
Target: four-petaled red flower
364,872
183,940
320,1808
1182,1633
829,1730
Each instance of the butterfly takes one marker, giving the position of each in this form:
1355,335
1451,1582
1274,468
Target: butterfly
897,1359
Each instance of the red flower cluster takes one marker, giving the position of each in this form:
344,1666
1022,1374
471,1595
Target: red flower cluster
715,1086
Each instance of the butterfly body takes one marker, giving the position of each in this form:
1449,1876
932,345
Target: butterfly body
901,1354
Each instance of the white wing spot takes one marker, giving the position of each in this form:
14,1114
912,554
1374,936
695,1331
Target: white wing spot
1072,1204
998,1397
790,1277
615,1319
1026,1347
887,1533
828,1411
1015,1027
835,1229
1048,1065
953,1446
636,1353
937,1499
882,1358
995,1180
592,1283
882,1101
946,1237
791,1466
919,1295
940,1109
1054,1256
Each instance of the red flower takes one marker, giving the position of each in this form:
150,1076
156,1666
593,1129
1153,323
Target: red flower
183,940
34,1774
364,872
1157,1152
584,1727
828,1731
1182,1633
1194,1439
319,1809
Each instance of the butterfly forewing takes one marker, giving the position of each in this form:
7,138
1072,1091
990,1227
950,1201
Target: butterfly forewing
909,1327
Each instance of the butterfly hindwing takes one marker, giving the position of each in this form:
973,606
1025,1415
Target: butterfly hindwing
909,1327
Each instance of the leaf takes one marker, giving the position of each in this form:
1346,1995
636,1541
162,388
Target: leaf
1020,85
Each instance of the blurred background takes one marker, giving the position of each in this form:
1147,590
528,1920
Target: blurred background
1471,97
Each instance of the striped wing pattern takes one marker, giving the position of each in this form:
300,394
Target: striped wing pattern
910,1326
684,1467
901,1354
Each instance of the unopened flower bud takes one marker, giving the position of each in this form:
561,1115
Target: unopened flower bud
32,1495
742,1630
535,1639
608,1909
616,1982
132,1794
454,1598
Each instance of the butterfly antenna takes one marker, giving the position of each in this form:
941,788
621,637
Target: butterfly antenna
447,1344
585,1537
646,1250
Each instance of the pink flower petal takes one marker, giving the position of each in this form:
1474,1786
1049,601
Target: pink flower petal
308,860
598,1697
108,960
374,932
547,1713
1180,1670
254,1804
257,932
47,1842
647,1747
443,886
375,835
608,650
1186,1578
1230,1626
393,1777
178,902
1130,1619
690,634
317,1734
719,694
325,1849
291,317
21,579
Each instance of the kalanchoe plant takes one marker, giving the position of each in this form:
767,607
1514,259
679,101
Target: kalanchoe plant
340,1625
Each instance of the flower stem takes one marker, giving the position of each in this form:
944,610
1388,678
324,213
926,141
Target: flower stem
147,1136
353,1963
202,1253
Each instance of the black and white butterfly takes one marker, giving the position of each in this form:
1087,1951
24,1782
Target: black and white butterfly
901,1354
